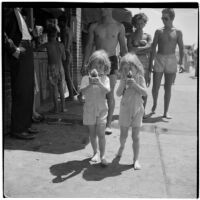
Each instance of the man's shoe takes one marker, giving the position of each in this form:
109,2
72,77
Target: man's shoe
23,135
33,130
38,119
69,99
35,120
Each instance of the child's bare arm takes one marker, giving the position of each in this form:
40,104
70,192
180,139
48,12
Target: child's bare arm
121,87
85,85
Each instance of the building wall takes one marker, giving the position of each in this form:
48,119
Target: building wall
7,101
77,47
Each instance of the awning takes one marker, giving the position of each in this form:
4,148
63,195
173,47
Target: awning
56,12
90,15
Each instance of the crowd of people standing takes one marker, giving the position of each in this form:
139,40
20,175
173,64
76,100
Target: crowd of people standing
140,57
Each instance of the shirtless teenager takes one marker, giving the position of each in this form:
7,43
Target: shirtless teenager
165,60
105,35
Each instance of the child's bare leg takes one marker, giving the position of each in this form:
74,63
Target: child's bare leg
35,113
62,98
102,141
55,96
136,146
123,137
93,140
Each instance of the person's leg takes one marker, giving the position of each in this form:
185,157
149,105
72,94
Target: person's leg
169,77
100,129
62,98
35,113
111,103
55,97
136,146
145,97
93,140
22,102
157,77
174,78
123,137
68,79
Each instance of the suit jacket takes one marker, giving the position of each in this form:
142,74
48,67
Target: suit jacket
12,33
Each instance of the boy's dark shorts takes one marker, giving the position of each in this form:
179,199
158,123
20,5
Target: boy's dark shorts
114,64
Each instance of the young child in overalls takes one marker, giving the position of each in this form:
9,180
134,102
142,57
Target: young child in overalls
132,87
94,87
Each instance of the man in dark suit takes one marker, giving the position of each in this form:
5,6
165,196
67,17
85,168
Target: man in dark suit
19,54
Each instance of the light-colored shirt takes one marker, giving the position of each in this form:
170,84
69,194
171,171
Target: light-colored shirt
22,26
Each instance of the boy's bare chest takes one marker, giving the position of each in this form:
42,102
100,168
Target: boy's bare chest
106,31
169,36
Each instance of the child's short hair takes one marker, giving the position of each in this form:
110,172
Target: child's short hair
133,61
51,31
102,58
170,12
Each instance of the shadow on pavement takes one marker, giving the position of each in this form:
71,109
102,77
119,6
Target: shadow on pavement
91,172
68,170
154,119
97,173
56,139
193,77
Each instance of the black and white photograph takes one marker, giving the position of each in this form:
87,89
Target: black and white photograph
68,65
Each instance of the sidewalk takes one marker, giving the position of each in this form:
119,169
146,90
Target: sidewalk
56,163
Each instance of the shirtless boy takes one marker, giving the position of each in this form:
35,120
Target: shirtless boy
165,60
105,35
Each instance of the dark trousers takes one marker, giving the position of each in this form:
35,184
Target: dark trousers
22,86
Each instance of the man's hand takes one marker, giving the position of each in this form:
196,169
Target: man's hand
22,49
16,54
18,51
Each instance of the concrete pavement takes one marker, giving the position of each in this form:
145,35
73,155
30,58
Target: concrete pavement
56,163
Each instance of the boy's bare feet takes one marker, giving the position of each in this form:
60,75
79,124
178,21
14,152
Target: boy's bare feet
167,116
137,165
95,158
153,109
